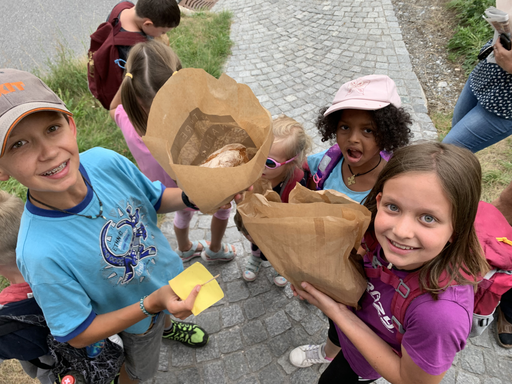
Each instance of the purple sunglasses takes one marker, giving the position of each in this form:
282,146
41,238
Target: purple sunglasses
272,164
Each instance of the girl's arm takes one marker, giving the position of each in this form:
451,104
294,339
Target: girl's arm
115,102
375,350
114,322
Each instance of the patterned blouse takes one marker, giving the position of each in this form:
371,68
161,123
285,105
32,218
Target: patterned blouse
492,86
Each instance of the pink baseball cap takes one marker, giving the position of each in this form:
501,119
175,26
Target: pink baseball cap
368,93
21,94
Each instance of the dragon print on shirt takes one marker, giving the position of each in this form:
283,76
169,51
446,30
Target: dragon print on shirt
122,246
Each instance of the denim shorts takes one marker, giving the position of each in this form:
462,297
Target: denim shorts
143,350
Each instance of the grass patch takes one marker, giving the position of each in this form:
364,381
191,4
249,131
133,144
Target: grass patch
202,41
496,162
471,33
442,122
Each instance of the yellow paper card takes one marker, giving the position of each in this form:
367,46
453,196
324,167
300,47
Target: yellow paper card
196,274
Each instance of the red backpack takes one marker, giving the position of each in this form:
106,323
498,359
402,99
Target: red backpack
495,235
104,74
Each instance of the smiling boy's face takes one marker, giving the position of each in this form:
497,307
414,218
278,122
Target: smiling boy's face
41,153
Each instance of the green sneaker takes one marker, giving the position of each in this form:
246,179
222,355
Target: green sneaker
187,333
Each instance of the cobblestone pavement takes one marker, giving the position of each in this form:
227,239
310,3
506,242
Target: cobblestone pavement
295,54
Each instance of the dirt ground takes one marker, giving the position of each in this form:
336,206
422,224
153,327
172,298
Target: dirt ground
426,28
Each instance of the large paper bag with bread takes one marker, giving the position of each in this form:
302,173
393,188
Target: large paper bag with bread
197,119
311,238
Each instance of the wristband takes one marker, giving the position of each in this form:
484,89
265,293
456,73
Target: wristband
143,309
187,202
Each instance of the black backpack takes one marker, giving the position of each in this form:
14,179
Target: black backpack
24,335
23,332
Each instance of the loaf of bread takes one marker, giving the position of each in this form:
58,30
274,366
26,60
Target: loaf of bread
231,155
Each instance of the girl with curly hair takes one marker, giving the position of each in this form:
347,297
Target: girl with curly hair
364,119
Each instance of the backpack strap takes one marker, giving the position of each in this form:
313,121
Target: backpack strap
39,364
298,175
326,165
116,11
10,325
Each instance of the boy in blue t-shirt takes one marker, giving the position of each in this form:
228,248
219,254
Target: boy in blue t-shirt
88,242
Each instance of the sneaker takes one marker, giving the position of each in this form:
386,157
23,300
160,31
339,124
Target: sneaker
252,268
280,281
307,355
186,333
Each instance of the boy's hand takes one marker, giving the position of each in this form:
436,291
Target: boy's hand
166,298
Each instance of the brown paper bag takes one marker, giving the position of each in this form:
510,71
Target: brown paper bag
192,116
310,238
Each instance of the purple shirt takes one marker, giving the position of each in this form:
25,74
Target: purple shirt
145,160
435,330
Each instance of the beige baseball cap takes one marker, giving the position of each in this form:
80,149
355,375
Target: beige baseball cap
21,94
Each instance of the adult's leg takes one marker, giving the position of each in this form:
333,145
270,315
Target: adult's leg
479,129
466,102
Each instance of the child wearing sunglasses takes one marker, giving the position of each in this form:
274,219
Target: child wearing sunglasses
283,170
365,119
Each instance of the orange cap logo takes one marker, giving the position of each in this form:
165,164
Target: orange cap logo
6,88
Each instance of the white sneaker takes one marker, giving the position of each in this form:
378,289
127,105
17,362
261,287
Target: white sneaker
307,355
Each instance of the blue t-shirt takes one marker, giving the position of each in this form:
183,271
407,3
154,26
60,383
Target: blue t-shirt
334,179
80,267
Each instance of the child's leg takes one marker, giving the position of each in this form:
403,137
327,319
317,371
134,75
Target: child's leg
340,368
253,264
186,249
142,353
217,250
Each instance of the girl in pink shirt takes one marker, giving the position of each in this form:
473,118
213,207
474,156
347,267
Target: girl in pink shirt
149,66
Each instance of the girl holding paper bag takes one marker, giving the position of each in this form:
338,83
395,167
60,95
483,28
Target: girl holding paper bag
423,207
282,170
365,118
149,66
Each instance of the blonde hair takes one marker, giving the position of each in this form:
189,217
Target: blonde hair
149,65
11,209
297,141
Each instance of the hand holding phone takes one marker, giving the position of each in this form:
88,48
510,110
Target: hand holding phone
505,41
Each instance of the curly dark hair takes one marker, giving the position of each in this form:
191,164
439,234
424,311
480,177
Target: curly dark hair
391,123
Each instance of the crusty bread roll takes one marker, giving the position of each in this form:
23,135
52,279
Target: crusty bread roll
231,155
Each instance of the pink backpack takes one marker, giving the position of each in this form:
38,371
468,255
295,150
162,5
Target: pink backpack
495,236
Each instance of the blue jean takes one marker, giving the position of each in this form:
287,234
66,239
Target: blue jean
473,127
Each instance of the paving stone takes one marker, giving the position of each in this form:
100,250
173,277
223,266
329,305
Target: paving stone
277,323
472,360
209,321
188,376
236,291
236,365
214,372
304,376
254,332
210,351
312,324
296,310
230,340
258,357
232,315
271,374
467,378
253,308
181,355
163,358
